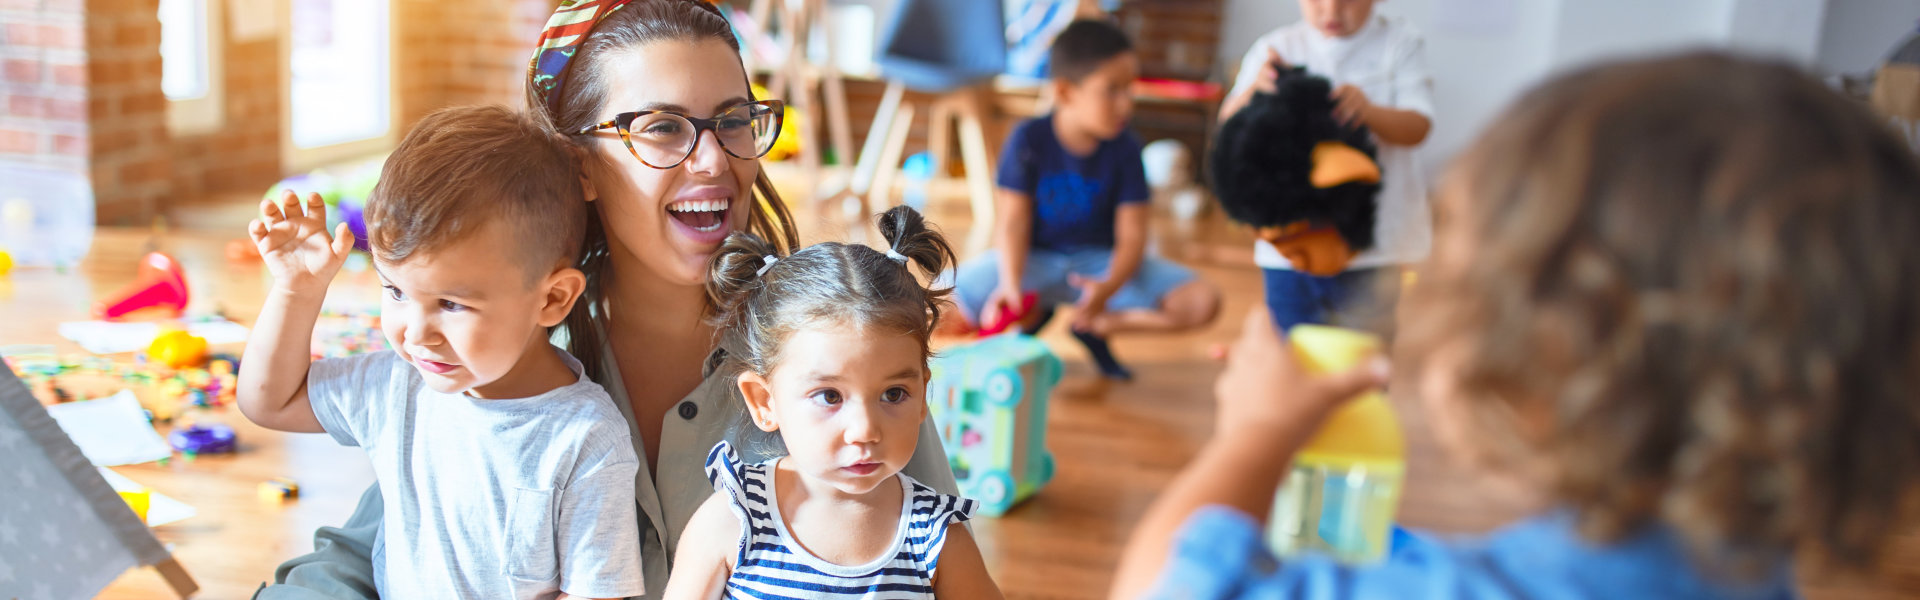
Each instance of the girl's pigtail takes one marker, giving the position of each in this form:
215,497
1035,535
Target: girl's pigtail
735,273
908,235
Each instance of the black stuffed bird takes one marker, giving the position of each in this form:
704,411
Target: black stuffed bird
1305,182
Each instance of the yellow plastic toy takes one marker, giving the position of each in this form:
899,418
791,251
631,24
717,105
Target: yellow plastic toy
178,349
138,501
1340,497
788,144
6,263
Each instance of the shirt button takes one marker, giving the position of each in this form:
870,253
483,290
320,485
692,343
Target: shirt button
688,410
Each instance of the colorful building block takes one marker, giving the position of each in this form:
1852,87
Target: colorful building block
989,400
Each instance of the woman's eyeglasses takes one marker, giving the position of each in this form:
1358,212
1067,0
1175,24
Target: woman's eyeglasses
662,139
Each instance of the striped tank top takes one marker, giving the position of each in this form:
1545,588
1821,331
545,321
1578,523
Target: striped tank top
770,565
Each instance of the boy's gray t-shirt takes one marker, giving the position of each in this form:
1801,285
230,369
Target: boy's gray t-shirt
489,498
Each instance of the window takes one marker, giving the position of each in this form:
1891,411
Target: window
190,64
339,86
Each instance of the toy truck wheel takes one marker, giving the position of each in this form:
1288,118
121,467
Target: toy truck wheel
994,490
1003,387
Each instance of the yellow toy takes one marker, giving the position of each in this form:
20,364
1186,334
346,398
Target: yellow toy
788,144
278,489
138,501
6,263
178,350
1340,497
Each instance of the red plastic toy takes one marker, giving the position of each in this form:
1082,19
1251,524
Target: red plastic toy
1010,318
160,284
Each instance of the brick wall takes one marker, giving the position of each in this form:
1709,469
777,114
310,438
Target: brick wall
129,155
43,76
467,53
243,153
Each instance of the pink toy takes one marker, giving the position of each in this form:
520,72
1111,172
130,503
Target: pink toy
1009,318
160,284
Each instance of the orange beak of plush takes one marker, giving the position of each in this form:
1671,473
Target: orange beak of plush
1335,163
1314,250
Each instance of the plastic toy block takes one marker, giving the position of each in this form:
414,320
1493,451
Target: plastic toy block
989,400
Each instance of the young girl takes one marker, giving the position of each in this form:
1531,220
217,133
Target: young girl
1677,298
831,348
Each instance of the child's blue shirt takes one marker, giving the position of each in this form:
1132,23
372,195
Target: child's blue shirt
1219,553
1074,197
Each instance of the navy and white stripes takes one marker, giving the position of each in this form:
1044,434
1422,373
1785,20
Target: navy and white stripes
771,566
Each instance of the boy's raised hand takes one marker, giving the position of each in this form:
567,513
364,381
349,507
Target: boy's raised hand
293,241
1265,388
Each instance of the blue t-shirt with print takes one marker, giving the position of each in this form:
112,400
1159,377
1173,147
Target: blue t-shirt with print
1074,197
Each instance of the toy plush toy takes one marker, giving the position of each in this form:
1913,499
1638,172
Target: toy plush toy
1305,182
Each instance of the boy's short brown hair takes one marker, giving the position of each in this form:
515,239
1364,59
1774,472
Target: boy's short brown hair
461,167
1083,46
1685,289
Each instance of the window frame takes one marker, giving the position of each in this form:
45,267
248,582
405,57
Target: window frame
294,158
206,113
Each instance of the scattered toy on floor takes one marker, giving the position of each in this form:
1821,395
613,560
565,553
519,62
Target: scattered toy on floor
178,349
279,489
160,284
198,438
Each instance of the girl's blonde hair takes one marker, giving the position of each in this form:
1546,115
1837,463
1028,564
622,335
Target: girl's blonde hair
1688,287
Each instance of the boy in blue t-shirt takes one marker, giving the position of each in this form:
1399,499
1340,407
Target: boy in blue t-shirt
1071,222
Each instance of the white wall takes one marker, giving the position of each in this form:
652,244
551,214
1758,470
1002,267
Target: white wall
1858,34
1484,53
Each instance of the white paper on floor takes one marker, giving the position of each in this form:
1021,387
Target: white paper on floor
111,431
161,509
106,337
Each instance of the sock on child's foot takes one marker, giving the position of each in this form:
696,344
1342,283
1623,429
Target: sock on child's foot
1040,322
1103,356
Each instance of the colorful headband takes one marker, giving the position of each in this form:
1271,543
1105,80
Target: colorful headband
569,27
565,31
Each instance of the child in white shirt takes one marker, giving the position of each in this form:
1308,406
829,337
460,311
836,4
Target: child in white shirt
1377,64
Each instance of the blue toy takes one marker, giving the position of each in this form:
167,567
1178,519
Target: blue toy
989,400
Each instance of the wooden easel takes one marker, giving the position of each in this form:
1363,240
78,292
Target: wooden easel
966,109
799,81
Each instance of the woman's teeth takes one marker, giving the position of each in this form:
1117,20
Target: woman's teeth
701,215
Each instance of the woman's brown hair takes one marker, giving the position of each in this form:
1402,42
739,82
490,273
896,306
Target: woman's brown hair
578,105
1686,288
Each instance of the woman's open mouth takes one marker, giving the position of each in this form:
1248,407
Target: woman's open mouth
702,216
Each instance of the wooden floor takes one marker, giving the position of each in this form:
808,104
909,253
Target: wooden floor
1116,445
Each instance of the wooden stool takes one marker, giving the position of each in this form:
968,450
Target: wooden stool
967,109
799,81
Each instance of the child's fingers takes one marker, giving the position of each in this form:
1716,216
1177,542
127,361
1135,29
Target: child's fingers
270,211
342,239
1368,375
290,205
315,206
257,230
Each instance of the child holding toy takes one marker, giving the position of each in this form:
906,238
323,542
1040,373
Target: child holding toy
830,344
1071,213
1664,300
1378,67
512,471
